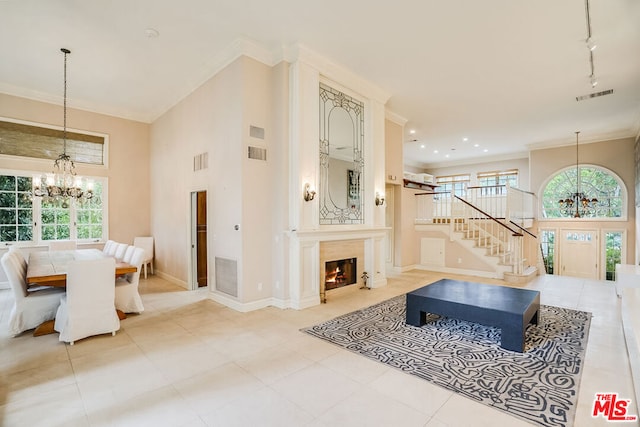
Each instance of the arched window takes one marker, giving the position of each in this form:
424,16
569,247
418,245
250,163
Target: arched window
595,183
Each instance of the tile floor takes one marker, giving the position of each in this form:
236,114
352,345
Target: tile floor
189,361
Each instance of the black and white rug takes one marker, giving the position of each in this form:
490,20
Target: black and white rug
539,385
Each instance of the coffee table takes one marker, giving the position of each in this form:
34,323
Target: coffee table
510,309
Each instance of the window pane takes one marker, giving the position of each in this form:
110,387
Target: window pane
25,233
48,232
7,233
594,183
7,200
25,216
7,216
7,183
24,184
63,232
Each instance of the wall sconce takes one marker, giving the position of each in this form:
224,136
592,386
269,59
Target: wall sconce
309,193
379,199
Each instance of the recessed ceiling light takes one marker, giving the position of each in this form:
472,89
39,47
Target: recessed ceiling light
422,146
446,155
485,150
151,33
476,145
435,151
465,139
412,131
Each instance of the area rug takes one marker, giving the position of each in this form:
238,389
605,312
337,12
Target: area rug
539,385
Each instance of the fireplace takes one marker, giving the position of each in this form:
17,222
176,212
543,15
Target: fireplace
340,273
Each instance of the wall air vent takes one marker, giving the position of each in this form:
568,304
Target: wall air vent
594,95
257,153
256,132
227,276
200,161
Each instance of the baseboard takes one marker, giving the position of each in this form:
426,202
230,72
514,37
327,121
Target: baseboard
170,278
250,306
478,273
403,269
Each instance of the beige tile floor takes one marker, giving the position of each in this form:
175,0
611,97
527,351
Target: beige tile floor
189,361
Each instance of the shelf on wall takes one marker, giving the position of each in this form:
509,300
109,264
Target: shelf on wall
419,185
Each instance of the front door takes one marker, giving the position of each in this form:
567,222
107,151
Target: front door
579,249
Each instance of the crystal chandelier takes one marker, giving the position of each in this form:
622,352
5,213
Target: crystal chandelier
577,204
63,185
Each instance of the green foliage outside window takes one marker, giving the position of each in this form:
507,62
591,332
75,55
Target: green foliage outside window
16,209
594,183
614,253
89,216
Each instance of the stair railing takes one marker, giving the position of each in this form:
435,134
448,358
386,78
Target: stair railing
498,238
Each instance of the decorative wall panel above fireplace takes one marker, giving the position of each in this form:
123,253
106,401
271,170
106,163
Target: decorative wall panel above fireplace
341,157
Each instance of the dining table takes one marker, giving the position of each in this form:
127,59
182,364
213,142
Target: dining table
49,268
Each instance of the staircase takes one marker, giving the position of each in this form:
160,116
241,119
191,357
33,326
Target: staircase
499,242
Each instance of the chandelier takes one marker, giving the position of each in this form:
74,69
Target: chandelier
63,185
577,204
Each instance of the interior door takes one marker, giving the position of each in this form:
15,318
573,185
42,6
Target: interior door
579,253
201,238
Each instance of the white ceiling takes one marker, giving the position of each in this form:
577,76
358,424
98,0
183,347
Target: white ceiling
503,73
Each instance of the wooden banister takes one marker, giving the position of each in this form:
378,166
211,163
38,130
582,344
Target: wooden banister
514,232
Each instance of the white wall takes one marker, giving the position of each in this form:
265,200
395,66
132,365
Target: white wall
209,121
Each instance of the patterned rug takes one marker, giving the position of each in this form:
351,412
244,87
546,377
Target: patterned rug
539,385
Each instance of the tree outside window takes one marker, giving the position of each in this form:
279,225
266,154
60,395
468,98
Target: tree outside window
594,183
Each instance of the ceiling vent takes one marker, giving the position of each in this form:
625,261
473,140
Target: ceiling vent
594,95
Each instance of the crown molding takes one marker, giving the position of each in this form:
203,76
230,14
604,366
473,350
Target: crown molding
336,72
395,118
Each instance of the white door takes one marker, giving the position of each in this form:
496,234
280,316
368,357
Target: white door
432,252
579,253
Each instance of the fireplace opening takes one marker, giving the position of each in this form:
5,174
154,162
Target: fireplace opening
340,273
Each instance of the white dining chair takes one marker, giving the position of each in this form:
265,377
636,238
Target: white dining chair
112,249
107,246
127,296
128,254
30,309
89,306
62,245
145,243
121,248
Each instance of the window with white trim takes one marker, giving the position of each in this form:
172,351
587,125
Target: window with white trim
486,179
595,182
456,183
26,219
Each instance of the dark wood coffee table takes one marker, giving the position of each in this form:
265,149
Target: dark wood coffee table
510,309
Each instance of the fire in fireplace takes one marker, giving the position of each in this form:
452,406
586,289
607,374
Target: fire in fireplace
340,273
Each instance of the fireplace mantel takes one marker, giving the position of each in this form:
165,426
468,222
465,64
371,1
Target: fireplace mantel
337,233
305,268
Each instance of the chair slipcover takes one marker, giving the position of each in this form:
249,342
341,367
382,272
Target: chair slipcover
121,248
127,296
128,254
107,246
112,249
30,309
88,308
145,243
63,245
